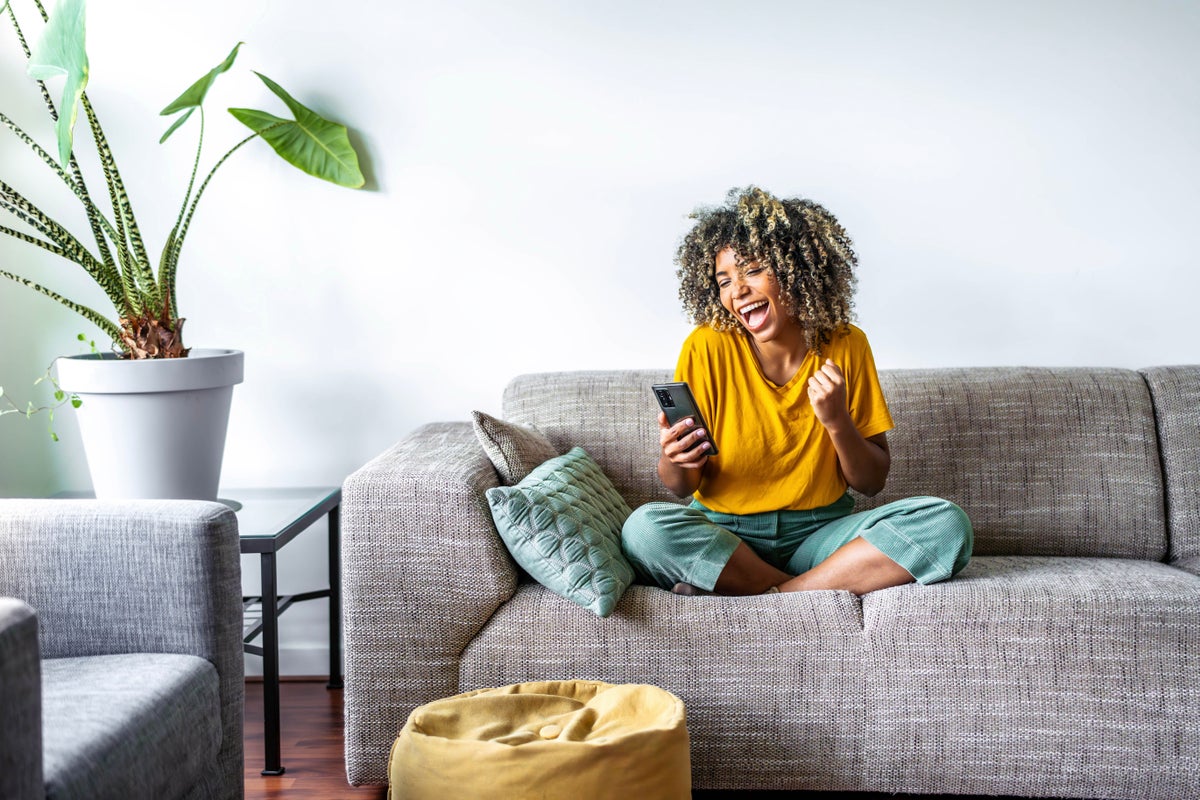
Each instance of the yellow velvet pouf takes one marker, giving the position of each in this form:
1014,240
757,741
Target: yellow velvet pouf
551,740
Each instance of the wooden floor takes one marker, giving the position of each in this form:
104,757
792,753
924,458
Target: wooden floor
311,734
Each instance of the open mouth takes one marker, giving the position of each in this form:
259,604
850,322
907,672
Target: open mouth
754,315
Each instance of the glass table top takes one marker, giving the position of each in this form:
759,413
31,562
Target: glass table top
266,513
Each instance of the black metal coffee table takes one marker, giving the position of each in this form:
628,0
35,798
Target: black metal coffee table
267,520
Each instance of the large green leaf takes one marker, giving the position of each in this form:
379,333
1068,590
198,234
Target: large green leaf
310,142
193,98
60,53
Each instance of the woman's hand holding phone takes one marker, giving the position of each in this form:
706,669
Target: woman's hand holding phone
685,448
686,442
683,444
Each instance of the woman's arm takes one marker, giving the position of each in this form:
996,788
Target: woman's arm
684,454
864,462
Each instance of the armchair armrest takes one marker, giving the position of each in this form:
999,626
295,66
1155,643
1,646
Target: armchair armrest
20,701
423,569
134,576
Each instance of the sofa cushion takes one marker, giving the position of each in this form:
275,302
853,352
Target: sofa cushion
1037,676
772,683
1027,676
514,449
562,523
129,726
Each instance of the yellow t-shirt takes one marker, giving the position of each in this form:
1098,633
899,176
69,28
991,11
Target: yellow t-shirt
775,453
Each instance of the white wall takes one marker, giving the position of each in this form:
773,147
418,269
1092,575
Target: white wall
1021,180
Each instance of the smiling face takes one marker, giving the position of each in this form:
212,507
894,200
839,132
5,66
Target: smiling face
752,295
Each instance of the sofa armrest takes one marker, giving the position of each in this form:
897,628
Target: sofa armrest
134,576
423,569
20,701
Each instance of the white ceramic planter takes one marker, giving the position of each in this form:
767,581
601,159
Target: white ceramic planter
154,428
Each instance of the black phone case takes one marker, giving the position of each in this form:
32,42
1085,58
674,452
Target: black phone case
676,401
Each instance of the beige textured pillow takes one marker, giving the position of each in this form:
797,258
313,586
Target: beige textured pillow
515,450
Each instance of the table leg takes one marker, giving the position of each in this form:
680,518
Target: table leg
335,600
270,619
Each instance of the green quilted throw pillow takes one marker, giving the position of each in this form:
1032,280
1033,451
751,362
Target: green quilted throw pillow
562,523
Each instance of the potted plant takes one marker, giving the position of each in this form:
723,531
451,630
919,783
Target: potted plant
154,412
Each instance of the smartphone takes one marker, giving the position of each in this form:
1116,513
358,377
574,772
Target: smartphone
676,401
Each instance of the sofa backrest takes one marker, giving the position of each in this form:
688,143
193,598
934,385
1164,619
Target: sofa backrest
610,414
1044,461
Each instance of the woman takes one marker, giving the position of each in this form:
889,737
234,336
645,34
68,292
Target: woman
790,389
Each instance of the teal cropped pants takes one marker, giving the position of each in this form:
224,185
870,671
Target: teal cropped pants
668,543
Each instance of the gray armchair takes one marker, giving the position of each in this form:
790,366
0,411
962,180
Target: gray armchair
138,689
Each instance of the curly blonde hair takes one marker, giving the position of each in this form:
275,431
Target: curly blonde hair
799,241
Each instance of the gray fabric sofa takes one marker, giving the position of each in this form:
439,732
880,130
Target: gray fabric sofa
1063,662
121,667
